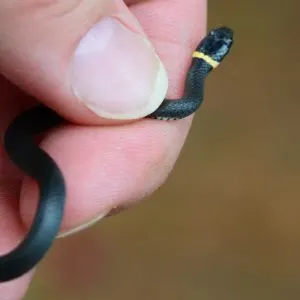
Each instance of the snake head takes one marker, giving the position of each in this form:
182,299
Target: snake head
217,43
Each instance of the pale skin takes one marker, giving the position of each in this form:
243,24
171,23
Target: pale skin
122,164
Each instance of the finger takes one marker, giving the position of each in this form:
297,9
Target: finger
11,234
88,60
110,167
11,227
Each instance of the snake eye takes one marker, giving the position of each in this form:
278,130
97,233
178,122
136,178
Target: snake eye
217,43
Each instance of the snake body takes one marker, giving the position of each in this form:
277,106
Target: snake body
36,163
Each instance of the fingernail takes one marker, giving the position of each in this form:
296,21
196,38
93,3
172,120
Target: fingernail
116,72
83,226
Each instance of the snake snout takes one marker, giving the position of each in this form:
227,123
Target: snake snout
217,43
223,34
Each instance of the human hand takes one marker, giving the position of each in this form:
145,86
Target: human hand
114,76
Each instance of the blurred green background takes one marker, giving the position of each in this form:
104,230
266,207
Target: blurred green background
226,224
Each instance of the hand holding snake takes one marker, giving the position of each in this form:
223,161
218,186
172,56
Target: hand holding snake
42,167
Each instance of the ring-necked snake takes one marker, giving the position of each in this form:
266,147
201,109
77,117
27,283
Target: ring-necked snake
39,165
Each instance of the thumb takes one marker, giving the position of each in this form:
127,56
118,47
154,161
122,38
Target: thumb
88,60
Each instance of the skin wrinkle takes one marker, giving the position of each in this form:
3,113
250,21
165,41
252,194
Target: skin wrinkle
49,5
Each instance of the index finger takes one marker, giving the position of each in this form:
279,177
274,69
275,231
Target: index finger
116,166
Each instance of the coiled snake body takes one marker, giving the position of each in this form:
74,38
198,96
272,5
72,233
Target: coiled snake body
39,165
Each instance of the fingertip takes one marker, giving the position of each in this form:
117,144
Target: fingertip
116,72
